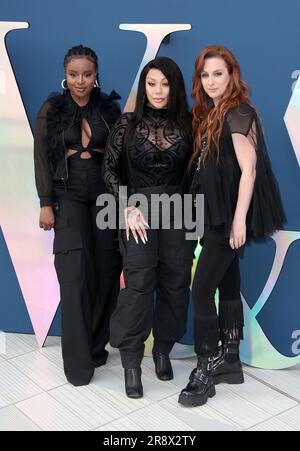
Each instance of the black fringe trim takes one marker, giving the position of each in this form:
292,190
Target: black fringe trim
231,320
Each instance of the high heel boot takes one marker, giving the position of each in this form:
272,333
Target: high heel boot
163,367
133,383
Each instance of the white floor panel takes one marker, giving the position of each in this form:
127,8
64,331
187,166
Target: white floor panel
41,370
110,387
273,425
34,395
237,409
287,381
50,415
123,424
199,418
14,385
262,396
156,418
53,354
19,344
291,418
86,403
114,358
11,419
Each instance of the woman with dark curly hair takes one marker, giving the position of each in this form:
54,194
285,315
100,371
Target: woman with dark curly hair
242,203
70,138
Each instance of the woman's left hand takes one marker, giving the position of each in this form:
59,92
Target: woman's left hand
238,234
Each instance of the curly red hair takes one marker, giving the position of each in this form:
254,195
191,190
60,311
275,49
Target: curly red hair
207,121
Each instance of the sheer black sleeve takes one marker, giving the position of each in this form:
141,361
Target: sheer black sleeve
43,179
266,213
113,157
243,120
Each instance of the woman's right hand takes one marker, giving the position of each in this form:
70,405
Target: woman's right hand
47,218
135,222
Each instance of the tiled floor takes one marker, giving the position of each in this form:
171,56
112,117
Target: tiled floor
34,396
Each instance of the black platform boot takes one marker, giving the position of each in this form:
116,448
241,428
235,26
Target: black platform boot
163,367
201,385
133,383
227,367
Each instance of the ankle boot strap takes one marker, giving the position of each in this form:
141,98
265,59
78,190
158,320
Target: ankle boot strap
205,364
231,347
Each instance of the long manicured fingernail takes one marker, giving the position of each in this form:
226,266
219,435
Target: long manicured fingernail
137,241
146,238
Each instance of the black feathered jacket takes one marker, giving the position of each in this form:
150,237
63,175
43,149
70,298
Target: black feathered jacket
54,117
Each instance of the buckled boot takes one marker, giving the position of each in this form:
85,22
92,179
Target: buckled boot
227,367
201,386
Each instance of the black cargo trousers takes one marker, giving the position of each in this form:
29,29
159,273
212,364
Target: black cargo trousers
163,265
88,266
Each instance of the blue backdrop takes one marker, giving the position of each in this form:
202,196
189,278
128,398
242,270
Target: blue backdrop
265,37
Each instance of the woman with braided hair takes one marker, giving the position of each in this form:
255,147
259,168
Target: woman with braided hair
69,144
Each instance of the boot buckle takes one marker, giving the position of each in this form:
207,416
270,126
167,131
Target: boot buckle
203,379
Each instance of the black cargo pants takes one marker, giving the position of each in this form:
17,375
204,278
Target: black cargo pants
163,265
88,266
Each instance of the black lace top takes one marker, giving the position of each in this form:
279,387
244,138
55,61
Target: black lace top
59,128
219,182
158,154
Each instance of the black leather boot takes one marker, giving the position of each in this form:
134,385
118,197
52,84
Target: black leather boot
201,385
133,383
163,367
227,367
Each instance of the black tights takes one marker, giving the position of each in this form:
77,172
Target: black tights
218,267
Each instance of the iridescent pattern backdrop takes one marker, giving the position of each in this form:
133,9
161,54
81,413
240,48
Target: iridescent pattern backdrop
31,250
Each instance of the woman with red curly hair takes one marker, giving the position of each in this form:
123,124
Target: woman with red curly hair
242,203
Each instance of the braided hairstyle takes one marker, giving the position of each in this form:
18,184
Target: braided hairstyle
80,50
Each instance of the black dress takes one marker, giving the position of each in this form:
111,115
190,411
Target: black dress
219,182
